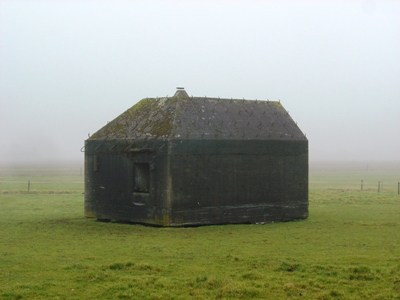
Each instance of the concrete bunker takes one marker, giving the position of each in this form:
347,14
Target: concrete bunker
181,161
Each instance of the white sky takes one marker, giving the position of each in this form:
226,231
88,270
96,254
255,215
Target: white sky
68,67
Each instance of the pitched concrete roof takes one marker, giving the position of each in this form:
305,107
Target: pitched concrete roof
184,117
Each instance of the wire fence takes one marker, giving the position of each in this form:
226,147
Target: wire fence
64,178
376,177
70,178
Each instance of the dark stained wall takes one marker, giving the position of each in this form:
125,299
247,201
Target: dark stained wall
198,182
112,189
239,182
183,160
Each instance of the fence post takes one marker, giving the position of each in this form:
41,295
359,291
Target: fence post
29,185
379,186
362,184
398,188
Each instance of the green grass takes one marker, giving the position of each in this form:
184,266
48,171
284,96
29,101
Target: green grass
60,179
349,248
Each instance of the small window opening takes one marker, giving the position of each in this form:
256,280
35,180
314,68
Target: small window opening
141,178
95,164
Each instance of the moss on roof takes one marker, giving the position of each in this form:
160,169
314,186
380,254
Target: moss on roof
148,118
182,116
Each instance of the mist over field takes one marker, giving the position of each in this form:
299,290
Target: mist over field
69,67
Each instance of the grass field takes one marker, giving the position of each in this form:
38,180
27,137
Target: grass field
349,247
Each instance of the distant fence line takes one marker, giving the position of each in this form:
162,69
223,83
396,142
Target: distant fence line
363,185
380,186
37,186
34,170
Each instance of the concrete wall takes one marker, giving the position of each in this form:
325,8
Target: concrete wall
116,187
195,182
237,182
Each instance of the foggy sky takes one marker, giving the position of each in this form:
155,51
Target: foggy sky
69,67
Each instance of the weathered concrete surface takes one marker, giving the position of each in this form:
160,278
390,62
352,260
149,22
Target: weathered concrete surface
183,160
